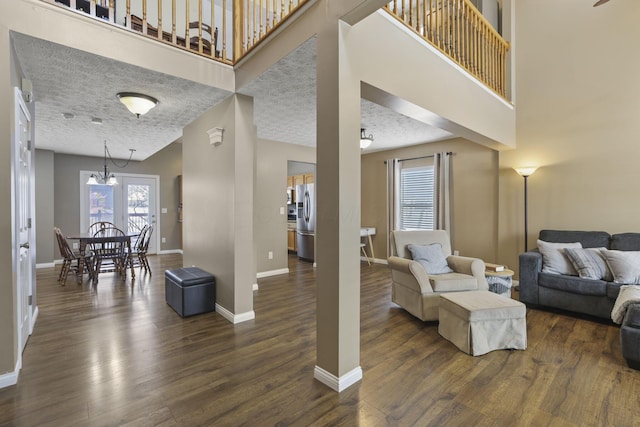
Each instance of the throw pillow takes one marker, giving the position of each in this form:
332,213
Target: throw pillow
589,263
625,265
431,258
553,258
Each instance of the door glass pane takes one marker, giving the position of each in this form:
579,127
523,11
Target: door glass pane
137,207
100,203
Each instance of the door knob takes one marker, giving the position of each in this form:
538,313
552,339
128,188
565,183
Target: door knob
25,245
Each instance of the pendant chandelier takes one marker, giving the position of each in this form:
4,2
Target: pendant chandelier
106,177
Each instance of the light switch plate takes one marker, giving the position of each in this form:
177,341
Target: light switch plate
163,210
281,210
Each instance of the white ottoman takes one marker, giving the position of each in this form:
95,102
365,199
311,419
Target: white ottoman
478,322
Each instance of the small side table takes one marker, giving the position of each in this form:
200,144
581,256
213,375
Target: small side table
500,282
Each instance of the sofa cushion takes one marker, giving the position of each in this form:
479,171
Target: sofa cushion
625,265
453,282
589,263
431,258
553,258
588,239
574,285
626,242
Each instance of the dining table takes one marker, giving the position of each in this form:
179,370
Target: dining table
85,239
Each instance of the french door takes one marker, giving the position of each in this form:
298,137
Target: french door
130,205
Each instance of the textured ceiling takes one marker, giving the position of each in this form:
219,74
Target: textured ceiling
66,80
285,107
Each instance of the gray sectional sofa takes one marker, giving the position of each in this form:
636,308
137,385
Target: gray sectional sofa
587,296
572,293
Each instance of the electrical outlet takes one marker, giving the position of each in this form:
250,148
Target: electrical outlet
163,210
281,210
75,245
456,253
270,255
164,240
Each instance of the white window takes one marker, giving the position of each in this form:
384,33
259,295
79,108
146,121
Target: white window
416,198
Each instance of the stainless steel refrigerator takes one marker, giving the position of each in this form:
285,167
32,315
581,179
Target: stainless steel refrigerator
306,221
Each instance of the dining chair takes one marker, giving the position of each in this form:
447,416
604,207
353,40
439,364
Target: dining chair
137,246
97,226
69,256
109,255
141,251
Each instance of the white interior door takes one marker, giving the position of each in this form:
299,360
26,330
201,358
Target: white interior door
22,171
139,202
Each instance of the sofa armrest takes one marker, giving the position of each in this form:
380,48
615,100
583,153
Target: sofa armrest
407,267
473,266
530,264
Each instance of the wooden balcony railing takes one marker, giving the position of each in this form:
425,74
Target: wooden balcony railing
459,31
224,30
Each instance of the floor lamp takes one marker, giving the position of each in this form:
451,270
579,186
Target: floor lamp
525,173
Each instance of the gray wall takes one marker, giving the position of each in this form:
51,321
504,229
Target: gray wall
270,227
167,163
45,243
218,185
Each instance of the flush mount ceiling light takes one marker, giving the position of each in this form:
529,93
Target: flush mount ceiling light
137,103
365,140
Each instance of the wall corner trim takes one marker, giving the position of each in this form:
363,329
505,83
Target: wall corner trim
11,378
335,383
235,318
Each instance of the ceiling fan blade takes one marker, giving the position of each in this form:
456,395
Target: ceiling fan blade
600,2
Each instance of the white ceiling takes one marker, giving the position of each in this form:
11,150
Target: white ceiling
66,80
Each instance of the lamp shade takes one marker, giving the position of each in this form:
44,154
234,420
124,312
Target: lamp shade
92,180
137,103
526,171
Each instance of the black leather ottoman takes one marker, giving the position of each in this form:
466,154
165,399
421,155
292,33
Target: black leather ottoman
630,336
190,291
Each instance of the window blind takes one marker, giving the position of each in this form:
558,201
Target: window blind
416,198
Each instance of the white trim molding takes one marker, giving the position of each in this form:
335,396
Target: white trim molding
169,251
34,318
335,383
11,378
264,274
46,265
374,260
235,318
255,287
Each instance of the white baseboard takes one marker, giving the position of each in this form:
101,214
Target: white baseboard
235,318
34,318
169,251
335,383
11,378
375,260
264,274
46,265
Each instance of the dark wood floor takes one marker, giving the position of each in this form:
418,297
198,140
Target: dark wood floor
118,355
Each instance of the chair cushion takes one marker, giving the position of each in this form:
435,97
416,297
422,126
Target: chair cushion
431,258
482,305
553,258
625,265
626,242
589,263
572,284
453,282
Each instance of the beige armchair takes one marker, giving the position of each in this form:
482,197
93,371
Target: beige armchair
418,292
